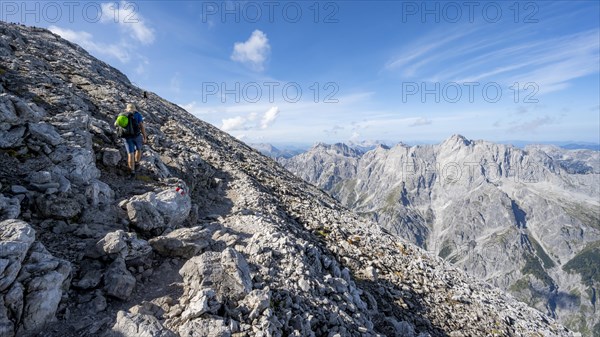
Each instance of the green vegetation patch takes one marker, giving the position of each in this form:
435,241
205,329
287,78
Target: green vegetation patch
596,330
586,263
520,285
541,253
534,267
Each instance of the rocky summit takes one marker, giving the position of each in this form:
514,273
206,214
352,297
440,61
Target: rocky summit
210,238
525,220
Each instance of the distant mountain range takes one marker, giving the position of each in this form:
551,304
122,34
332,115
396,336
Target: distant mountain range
524,219
285,150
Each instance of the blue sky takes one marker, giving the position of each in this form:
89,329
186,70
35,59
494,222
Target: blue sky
305,71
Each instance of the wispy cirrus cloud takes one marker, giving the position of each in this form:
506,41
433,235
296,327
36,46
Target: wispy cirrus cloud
127,16
531,125
86,41
476,55
124,47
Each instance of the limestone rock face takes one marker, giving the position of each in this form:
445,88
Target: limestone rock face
211,237
31,280
516,218
226,272
156,212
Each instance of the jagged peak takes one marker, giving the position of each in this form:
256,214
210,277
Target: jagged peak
458,139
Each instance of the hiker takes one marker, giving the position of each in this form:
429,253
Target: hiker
130,126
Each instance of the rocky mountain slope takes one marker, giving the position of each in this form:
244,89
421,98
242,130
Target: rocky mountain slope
527,221
210,239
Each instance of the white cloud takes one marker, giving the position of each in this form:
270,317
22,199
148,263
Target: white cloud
127,16
420,122
235,123
251,122
253,52
269,117
85,40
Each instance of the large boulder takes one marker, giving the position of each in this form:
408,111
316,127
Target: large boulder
99,193
44,278
120,244
76,163
144,215
168,208
118,281
31,279
183,242
16,237
46,133
138,325
227,273
111,157
58,207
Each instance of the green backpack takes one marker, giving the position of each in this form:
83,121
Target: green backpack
129,127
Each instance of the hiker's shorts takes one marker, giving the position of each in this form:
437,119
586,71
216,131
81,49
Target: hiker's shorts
134,144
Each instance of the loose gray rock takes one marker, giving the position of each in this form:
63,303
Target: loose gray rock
226,272
99,193
13,137
46,133
16,237
10,208
40,177
58,207
118,281
144,216
205,327
113,243
75,163
139,325
8,113
183,242
111,157
44,289
18,189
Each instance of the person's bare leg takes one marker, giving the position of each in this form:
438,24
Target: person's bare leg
138,156
131,161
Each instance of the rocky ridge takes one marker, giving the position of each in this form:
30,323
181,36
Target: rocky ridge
525,220
210,239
